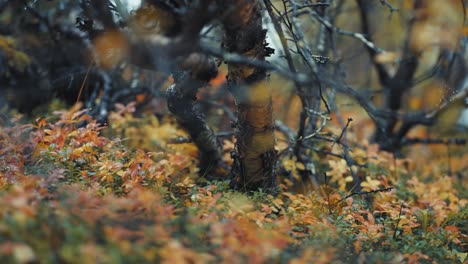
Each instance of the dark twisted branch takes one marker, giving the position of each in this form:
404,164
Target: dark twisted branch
365,7
181,101
379,116
307,101
394,86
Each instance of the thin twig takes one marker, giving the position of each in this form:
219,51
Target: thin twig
363,193
434,141
355,35
343,131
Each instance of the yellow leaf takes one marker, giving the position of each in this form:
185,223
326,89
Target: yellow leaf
370,184
24,254
40,147
462,256
300,166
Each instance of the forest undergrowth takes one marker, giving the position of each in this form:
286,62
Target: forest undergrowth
72,191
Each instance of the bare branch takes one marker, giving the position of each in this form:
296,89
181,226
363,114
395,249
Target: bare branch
355,35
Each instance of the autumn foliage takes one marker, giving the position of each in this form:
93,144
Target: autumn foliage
70,194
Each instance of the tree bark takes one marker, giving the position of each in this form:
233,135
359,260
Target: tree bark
255,155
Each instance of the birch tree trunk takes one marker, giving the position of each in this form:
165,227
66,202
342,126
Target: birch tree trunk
255,155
